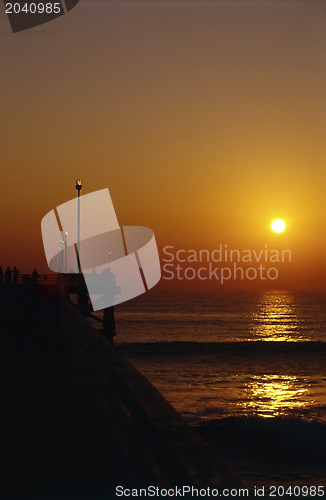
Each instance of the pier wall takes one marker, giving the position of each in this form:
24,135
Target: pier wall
150,439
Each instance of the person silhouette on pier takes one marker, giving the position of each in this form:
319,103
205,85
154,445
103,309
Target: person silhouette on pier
106,286
15,274
1,275
34,276
8,275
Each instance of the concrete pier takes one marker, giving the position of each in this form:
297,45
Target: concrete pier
77,418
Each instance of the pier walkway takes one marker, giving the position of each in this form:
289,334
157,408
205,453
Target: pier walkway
77,419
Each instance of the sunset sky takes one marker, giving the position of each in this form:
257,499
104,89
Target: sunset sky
205,119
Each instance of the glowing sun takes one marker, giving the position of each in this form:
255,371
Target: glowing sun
278,226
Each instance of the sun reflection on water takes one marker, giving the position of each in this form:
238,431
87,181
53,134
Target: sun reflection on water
275,319
274,395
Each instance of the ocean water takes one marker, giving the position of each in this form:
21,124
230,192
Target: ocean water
232,354
248,370
223,317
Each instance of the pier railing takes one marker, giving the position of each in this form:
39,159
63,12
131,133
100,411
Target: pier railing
43,279
29,279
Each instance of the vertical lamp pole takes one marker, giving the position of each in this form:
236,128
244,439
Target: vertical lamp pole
78,187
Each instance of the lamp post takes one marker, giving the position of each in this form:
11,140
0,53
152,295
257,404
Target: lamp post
79,188
81,294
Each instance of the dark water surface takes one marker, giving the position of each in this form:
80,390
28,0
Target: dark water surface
247,369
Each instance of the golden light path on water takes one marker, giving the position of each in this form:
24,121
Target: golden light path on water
273,395
270,395
276,319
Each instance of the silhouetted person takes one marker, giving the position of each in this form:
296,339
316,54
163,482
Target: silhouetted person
15,274
106,286
1,275
8,275
93,276
34,276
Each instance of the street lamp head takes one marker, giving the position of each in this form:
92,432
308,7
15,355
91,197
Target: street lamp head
78,185
66,234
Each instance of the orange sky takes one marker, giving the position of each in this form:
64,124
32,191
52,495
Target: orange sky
206,120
